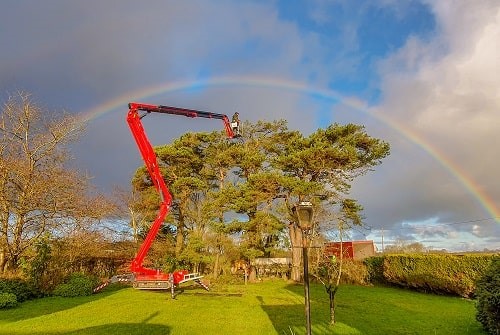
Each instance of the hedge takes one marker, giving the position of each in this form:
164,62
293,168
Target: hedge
437,273
375,267
76,285
7,300
20,288
488,298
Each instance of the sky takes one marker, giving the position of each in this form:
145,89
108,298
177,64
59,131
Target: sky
421,75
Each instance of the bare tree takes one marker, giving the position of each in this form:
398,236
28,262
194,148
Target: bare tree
329,268
126,202
38,192
404,246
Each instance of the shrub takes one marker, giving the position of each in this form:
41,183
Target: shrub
37,270
354,272
8,300
488,298
226,279
20,288
375,267
438,273
77,285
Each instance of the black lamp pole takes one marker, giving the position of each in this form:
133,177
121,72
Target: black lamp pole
304,213
307,305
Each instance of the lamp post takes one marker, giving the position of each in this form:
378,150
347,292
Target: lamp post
304,213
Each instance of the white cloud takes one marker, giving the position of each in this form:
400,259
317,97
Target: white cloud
447,90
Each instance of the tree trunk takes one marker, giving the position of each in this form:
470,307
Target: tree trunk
296,245
13,262
134,225
216,264
332,307
3,261
252,274
331,294
179,240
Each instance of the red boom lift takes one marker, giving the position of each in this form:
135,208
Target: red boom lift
146,278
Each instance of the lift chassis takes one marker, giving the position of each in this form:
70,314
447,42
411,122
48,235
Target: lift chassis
146,278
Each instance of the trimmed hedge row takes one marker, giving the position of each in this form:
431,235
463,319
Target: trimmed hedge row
437,273
20,288
7,300
488,298
76,285
16,290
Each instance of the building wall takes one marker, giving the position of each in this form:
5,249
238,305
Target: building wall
356,250
363,250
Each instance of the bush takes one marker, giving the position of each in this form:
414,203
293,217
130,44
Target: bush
437,273
77,285
375,267
8,300
37,269
226,279
354,272
20,288
488,298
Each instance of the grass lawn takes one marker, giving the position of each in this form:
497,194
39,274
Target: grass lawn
271,307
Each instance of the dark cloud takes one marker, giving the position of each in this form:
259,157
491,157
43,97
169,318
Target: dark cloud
440,88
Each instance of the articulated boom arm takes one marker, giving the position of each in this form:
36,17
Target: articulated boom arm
149,157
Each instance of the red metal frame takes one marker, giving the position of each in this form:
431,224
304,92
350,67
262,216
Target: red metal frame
149,157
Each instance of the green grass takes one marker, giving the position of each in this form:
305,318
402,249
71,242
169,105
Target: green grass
273,307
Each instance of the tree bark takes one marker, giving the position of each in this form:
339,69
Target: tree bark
216,264
332,305
179,239
296,244
3,261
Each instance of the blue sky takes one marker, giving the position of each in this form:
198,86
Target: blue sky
356,35
422,75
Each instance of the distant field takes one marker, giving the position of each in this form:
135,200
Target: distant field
273,307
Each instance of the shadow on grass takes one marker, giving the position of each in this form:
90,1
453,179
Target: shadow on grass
113,328
44,306
388,310
296,288
196,290
290,319
199,291
124,328
285,317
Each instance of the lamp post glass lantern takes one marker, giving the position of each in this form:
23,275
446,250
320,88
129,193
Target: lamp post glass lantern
304,213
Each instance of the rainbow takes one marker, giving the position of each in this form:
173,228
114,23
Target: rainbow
285,84
124,99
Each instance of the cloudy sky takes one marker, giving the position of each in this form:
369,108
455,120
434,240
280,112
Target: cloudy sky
422,75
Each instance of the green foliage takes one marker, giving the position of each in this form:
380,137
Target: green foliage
171,264
355,272
37,269
260,178
375,268
194,253
20,288
77,285
488,298
438,273
8,300
226,279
